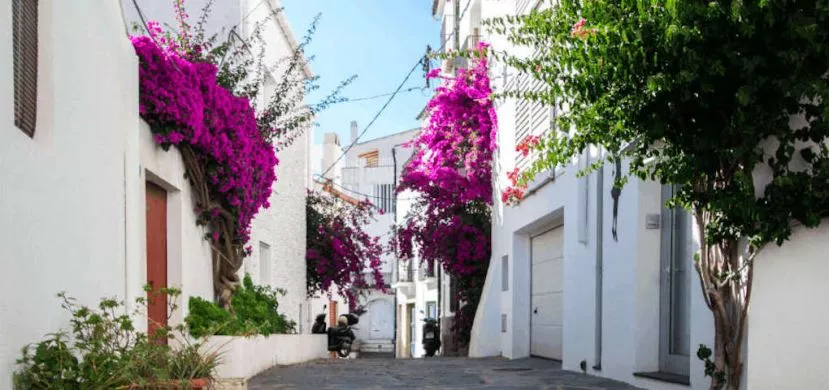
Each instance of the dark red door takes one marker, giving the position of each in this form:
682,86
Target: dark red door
156,257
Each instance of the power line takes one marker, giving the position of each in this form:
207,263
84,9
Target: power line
393,95
354,141
410,89
344,188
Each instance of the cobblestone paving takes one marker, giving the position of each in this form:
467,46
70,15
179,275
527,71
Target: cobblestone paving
434,373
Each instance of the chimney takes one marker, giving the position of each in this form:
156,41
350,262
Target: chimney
332,139
353,131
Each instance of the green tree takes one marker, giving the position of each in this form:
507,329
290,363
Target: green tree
724,99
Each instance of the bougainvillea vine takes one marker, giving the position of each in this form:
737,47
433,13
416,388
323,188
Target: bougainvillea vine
341,256
451,170
229,164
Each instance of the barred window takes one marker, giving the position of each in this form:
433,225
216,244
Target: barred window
24,36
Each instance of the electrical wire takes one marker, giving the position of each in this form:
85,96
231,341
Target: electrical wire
383,108
410,89
344,188
393,95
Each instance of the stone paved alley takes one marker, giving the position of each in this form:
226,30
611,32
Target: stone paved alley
436,373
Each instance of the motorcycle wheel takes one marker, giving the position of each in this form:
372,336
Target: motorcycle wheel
344,350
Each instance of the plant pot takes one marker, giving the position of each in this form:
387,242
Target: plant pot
193,384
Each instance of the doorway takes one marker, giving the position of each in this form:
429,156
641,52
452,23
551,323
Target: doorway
156,205
675,289
547,293
410,308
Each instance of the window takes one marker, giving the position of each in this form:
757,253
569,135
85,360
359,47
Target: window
503,323
24,52
531,117
384,197
372,158
505,273
264,264
432,309
454,302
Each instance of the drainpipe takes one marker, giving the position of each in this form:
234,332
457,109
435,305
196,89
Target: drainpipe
597,363
396,269
439,270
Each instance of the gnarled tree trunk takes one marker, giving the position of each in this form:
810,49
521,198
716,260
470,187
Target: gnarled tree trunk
726,275
227,255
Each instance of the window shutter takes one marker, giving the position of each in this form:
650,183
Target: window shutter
24,52
531,117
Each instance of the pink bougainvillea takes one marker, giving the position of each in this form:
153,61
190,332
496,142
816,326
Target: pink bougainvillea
341,255
227,160
455,149
451,170
183,104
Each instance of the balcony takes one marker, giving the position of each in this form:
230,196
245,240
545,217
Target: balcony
405,279
472,40
424,274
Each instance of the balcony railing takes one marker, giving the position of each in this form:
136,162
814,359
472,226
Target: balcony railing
406,273
424,272
472,40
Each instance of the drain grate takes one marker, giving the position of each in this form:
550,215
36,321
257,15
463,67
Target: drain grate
512,369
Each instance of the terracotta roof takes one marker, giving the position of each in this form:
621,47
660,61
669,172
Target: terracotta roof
328,187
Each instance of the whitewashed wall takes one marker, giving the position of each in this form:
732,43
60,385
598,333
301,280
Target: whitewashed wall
62,213
244,357
787,338
281,228
630,311
189,265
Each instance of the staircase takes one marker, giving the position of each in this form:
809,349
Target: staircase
377,346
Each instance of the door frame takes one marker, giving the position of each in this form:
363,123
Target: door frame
532,236
410,310
668,362
162,193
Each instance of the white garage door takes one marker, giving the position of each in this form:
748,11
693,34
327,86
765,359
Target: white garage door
547,294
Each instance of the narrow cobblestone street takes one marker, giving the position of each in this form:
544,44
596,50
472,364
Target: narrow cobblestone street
437,373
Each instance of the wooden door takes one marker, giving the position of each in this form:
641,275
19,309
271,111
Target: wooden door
156,257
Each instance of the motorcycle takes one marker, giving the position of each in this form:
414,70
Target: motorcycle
341,337
431,336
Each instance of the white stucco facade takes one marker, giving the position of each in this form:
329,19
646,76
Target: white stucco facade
613,299
370,170
62,202
277,233
72,207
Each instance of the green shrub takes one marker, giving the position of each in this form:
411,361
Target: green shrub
255,312
103,350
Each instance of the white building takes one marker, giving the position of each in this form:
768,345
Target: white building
370,170
278,233
608,287
81,178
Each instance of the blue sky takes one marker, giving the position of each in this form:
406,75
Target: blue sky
379,41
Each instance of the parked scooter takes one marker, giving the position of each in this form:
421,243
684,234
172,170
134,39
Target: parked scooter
319,324
431,336
341,337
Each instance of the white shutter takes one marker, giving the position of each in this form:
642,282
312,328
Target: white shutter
531,118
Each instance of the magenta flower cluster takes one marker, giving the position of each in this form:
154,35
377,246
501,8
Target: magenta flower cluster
184,106
452,171
454,151
341,255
